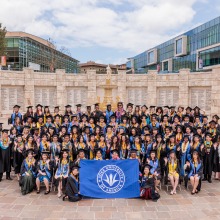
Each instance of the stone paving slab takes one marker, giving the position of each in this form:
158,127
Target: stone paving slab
205,205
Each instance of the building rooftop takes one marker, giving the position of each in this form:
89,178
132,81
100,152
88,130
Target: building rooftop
33,37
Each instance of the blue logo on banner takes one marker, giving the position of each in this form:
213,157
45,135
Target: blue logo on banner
111,179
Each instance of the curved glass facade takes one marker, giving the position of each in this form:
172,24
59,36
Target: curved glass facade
197,39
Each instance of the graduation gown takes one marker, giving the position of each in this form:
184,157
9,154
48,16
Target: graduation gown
5,157
72,189
18,159
208,154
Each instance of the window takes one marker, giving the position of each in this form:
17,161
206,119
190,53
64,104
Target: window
179,46
151,57
165,66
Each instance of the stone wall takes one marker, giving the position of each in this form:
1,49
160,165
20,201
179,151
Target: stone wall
184,88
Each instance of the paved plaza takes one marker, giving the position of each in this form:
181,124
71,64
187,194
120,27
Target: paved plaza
205,205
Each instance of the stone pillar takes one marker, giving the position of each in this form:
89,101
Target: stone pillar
184,87
152,87
61,89
92,93
121,83
215,92
28,87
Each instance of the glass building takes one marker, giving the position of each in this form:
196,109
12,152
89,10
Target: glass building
26,50
197,49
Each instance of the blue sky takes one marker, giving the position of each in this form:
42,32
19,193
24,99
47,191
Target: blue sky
106,31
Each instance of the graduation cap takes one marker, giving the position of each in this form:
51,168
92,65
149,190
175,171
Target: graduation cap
66,116
74,116
208,134
96,104
152,106
212,122
108,126
189,108
196,108
115,151
5,131
43,135
45,152
27,127
81,150
78,105
124,117
205,116
49,116
176,116
66,135
172,107
143,116
166,106
172,136
46,106
39,105
147,166
40,116
98,150
113,116
88,106
186,116
216,117
144,106
57,115
154,115
130,104
133,150
181,107
92,134
65,150
30,106
30,151
74,126
56,107
153,151
158,135
30,116
165,116
19,135
172,151
84,116
102,116
159,108
186,136
55,135
17,106
68,106
195,152
86,127
196,135
30,136
75,167
108,105
120,103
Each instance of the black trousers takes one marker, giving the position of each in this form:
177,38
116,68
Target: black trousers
7,175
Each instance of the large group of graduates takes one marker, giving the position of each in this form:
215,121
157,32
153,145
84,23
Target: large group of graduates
174,146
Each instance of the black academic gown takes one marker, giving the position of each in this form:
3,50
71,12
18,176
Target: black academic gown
72,189
208,157
5,159
17,160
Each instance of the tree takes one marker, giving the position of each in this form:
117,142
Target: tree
2,40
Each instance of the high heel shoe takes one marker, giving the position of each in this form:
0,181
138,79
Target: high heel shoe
171,192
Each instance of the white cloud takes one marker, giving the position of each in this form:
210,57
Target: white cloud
85,23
